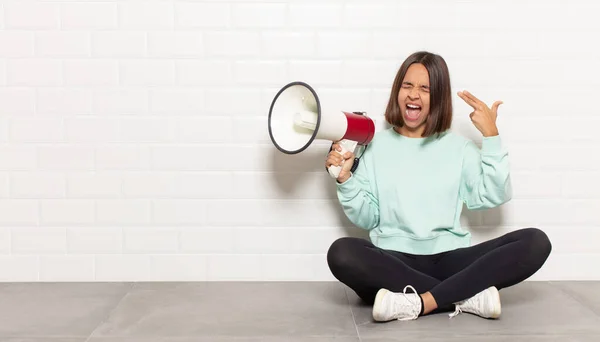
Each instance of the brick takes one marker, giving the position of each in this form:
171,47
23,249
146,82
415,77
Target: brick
67,212
17,44
62,44
65,157
179,212
146,15
17,101
173,157
205,130
367,73
177,44
302,185
372,15
286,44
260,73
63,101
21,268
67,268
118,267
315,15
581,185
177,185
231,267
31,15
202,15
5,185
114,44
91,72
208,240
122,157
344,45
38,240
91,129
150,240
120,101
123,212
5,242
41,130
261,15
234,100
238,43
203,73
94,16
95,184
34,72
18,157
322,73
183,267
94,240
147,130
38,185
147,73
186,100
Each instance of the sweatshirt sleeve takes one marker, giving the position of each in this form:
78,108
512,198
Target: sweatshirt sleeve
358,198
485,179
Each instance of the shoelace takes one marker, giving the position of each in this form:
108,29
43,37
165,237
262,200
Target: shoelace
459,308
456,312
415,303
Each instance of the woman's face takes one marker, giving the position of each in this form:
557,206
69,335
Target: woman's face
413,97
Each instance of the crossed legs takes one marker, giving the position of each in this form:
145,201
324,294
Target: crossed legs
442,279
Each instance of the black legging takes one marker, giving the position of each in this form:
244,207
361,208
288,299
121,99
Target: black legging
450,276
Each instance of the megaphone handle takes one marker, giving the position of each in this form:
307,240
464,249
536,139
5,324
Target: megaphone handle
347,146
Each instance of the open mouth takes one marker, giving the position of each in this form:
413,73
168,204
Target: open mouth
413,111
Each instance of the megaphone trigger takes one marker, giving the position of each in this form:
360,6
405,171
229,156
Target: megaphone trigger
347,146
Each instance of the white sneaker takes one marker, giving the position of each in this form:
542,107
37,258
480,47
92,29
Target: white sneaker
485,304
401,306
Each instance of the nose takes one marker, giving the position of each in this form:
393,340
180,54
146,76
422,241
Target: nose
413,93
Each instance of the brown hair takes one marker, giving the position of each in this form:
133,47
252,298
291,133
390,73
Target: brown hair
440,111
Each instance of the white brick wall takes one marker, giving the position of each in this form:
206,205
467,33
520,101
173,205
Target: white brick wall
134,146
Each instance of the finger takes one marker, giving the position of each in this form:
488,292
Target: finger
347,155
333,162
468,100
337,147
337,160
472,97
477,103
334,159
496,105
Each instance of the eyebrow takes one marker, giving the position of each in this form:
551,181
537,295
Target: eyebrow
410,83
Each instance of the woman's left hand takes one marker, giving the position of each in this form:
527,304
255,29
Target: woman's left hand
483,117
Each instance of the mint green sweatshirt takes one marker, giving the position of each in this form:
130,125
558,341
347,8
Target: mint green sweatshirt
409,192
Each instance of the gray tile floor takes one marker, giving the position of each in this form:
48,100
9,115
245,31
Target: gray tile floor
285,311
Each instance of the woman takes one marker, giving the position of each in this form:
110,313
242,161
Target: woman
408,192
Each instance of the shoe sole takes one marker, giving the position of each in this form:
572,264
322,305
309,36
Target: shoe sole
377,305
496,294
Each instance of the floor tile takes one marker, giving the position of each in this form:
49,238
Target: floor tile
225,339
586,292
225,309
487,338
43,339
530,308
56,309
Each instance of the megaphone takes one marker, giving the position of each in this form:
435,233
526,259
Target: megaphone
296,121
